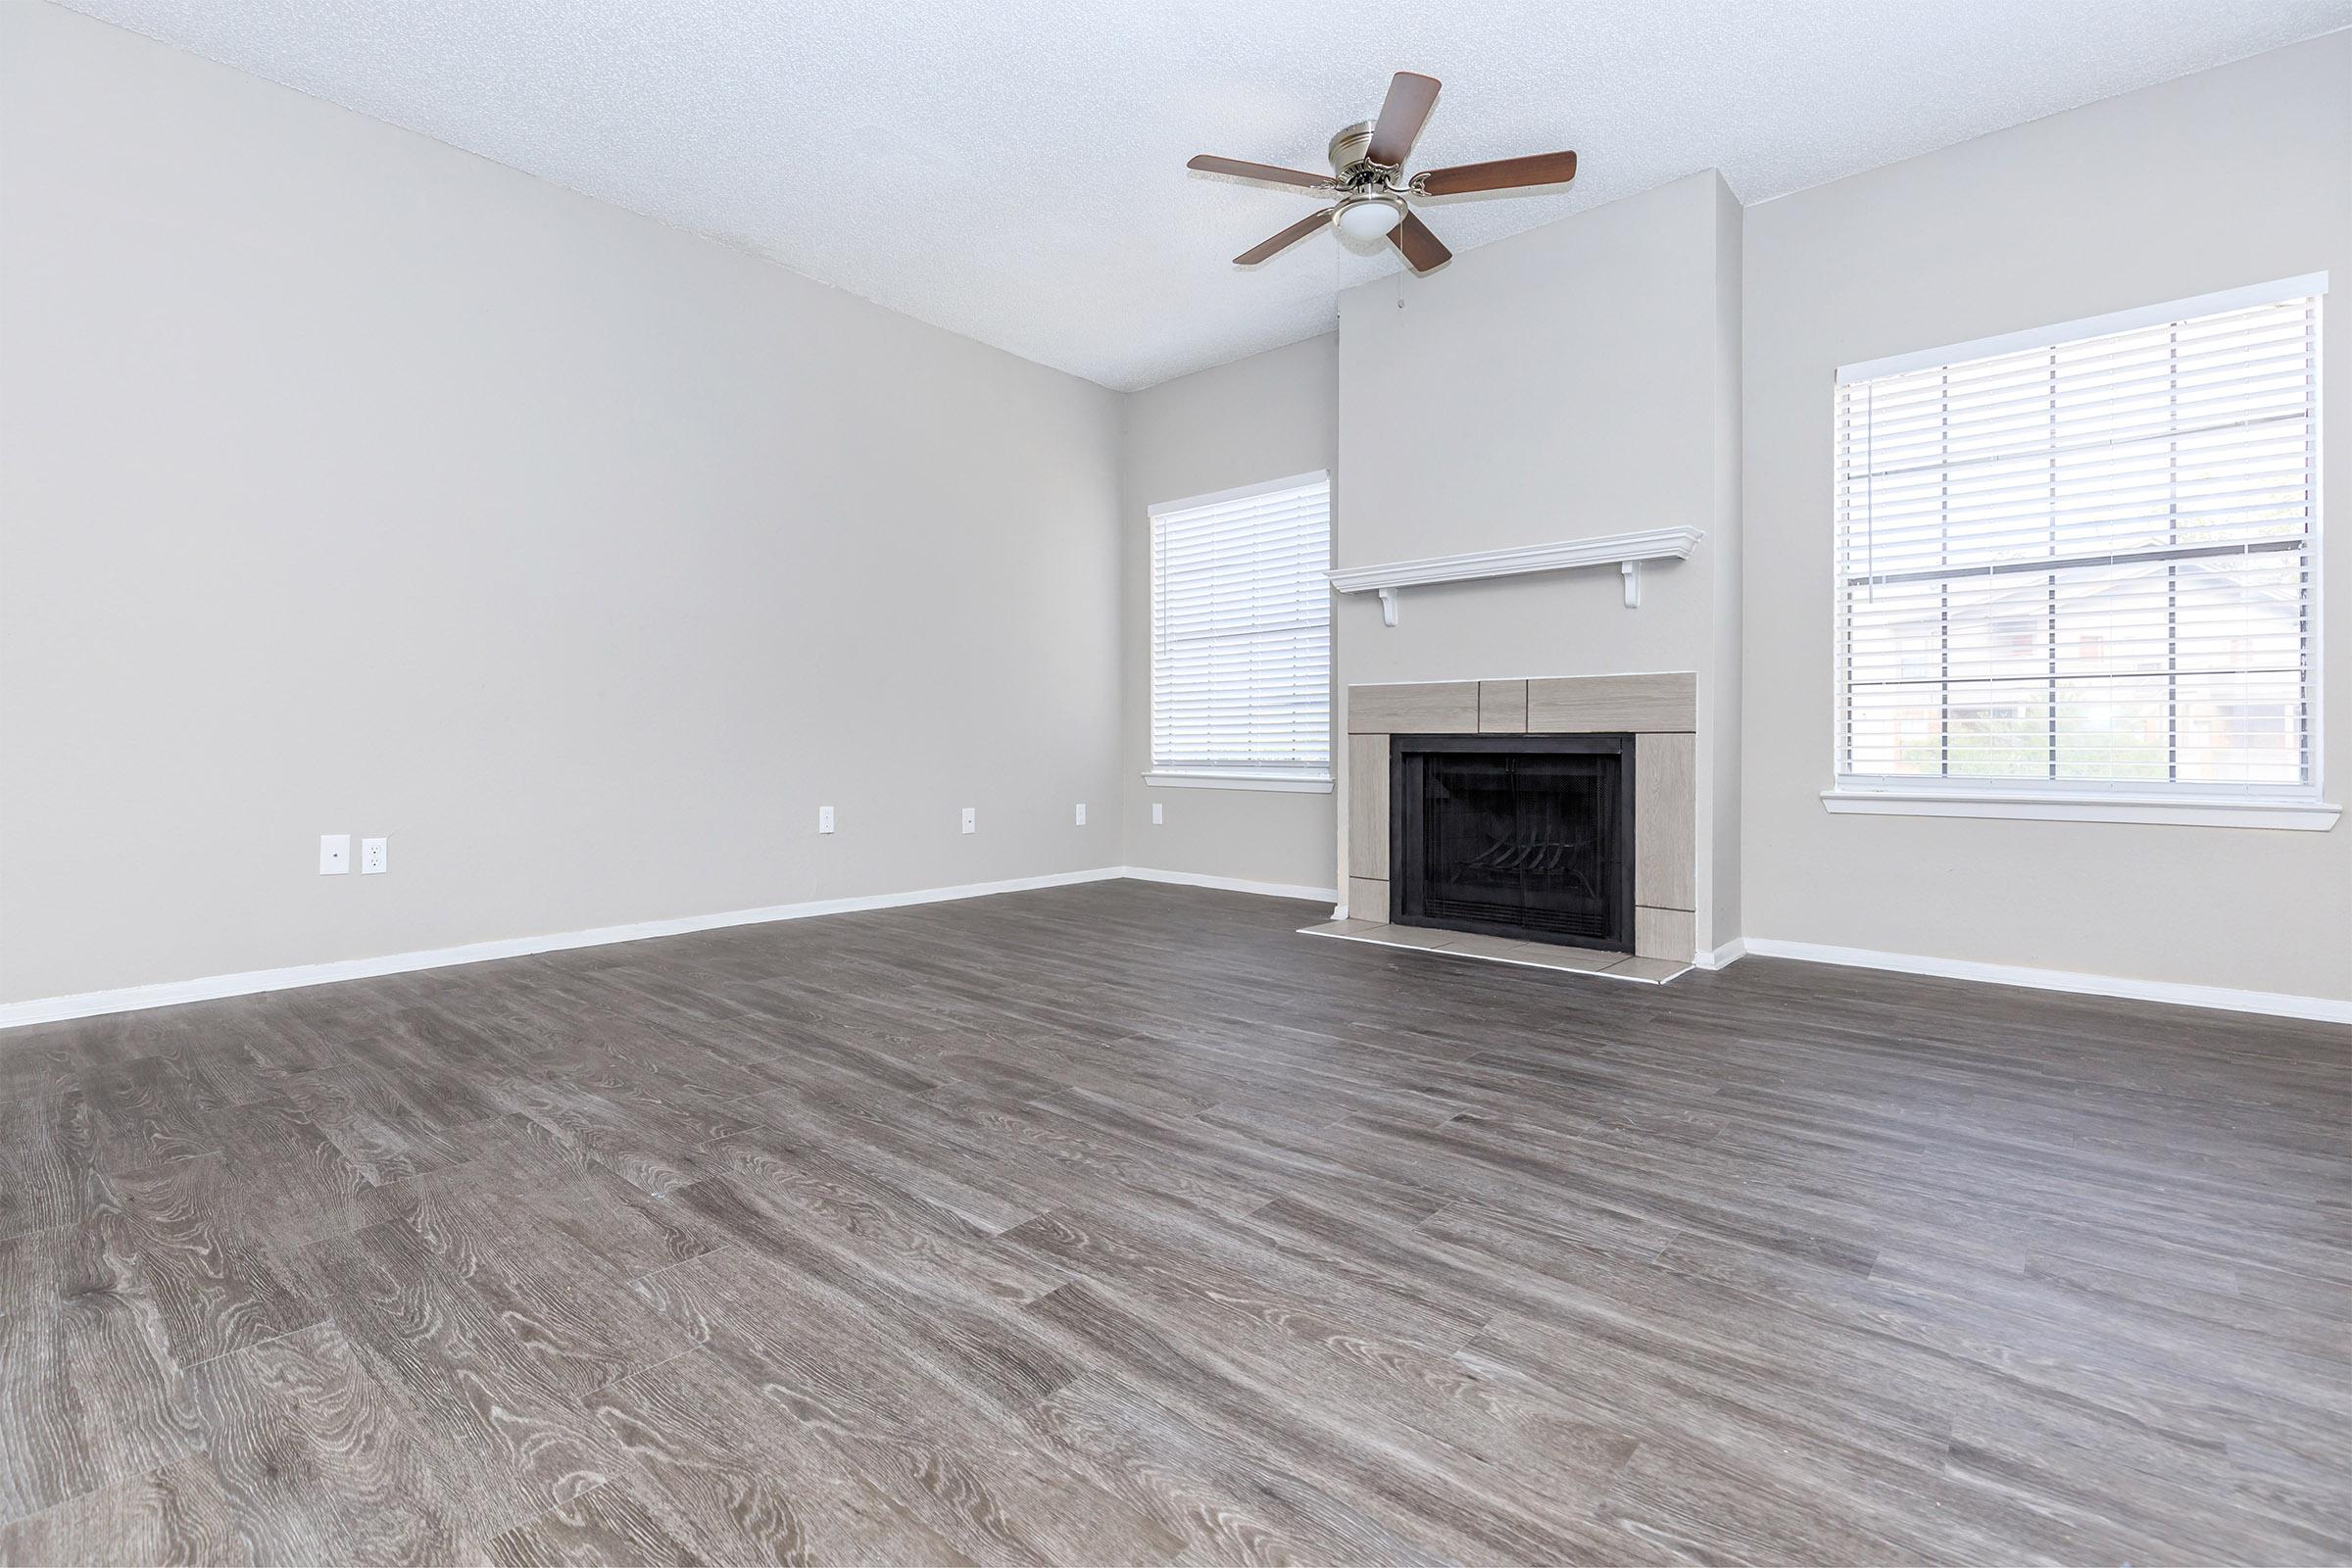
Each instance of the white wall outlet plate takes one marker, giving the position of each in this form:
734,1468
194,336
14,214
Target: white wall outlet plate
335,853
824,819
375,857
1157,818
1082,814
971,819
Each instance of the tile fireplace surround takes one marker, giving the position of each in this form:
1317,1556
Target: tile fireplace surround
1659,710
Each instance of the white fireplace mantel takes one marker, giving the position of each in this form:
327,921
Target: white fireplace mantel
1625,551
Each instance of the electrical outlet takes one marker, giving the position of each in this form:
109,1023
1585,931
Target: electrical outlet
971,819
375,857
824,819
1157,818
335,853
1082,814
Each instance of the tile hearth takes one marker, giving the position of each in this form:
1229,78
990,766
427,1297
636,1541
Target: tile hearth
1502,950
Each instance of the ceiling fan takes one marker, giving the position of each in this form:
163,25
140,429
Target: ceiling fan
1365,161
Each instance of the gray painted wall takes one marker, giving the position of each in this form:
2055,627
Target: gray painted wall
1267,417
356,484
2232,176
1576,380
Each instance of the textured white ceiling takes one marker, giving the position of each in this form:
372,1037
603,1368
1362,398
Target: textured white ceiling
1013,170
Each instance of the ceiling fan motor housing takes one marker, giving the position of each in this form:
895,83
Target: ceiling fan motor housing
1348,161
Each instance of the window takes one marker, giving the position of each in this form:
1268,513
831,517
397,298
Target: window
2079,564
1240,637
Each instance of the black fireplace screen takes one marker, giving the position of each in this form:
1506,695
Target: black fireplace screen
1519,835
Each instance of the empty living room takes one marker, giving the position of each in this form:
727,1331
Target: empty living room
968,783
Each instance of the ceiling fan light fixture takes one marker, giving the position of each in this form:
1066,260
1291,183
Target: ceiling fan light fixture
1367,221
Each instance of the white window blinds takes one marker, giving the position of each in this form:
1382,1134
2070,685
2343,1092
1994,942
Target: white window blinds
2085,563
1240,632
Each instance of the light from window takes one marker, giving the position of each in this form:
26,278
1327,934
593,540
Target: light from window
1240,632
2085,562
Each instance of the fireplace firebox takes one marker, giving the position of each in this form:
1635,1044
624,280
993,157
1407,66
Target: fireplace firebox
1527,836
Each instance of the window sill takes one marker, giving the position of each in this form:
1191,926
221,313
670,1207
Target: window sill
2304,815
1291,783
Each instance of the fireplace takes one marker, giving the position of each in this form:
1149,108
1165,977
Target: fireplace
1528,836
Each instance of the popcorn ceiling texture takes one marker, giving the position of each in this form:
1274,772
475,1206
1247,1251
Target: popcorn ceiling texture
1013,170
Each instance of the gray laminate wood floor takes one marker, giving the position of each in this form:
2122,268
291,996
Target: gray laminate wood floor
1117,1223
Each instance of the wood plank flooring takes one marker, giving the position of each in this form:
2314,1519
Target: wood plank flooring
1118,1223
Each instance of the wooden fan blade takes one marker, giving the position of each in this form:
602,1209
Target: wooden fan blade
1285,240
1410,98
1423,251
1504,173
1263,173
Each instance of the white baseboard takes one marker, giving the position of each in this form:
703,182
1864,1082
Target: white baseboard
88,1003
209,988
1725,956
2276,1004
1231,884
